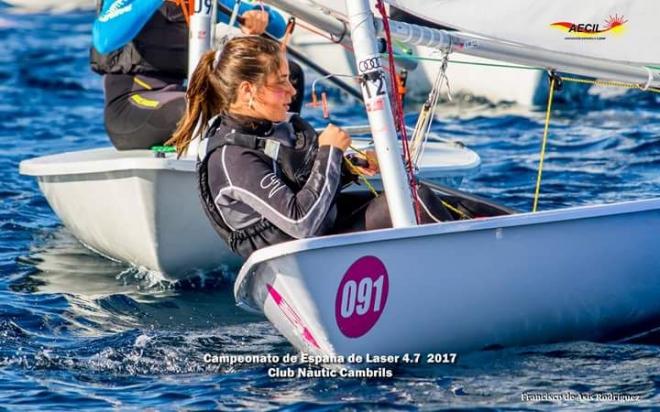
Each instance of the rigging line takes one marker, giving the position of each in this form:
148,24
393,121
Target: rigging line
462,215
334,79
326,36
290,27
328,77
421,120
398,110
433,59
545,140
360,176
425,119
436,98
649,80
356,150
610,83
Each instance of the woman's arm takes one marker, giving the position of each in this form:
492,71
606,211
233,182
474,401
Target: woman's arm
120,21
299,214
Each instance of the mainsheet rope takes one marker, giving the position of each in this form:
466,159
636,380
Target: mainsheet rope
358,173
548,111
611,83
553,78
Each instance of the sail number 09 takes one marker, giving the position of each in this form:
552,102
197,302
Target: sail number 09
358,297
203,6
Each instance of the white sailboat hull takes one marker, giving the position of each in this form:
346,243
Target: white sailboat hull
587,273
133,207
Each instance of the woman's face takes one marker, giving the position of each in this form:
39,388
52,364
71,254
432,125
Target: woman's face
273,99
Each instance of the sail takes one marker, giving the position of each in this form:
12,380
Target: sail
619,30
612,51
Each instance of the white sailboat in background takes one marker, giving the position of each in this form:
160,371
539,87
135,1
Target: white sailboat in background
529,278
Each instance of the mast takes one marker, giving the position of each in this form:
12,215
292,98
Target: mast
517,53
199,40
379,112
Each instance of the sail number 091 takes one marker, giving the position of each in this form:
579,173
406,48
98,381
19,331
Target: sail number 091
358,297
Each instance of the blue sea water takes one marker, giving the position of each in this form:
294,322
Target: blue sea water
79,331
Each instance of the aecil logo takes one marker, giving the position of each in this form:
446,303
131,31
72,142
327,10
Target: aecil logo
593,31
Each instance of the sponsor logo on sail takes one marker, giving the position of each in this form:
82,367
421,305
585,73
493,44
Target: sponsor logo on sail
613,25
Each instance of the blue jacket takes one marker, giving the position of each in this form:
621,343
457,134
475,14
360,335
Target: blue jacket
120,21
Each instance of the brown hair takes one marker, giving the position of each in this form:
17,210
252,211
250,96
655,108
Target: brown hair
212,89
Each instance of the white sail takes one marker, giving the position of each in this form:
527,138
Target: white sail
611,51
621,30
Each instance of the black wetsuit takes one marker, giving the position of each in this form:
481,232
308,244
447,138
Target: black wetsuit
256,196
255,199
143,82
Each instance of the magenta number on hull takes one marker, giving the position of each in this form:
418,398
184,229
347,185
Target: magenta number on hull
361,296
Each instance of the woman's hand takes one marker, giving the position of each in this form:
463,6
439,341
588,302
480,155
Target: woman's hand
255,22
335,136
372,168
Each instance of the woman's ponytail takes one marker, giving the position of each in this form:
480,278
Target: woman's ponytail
215,81
202,101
